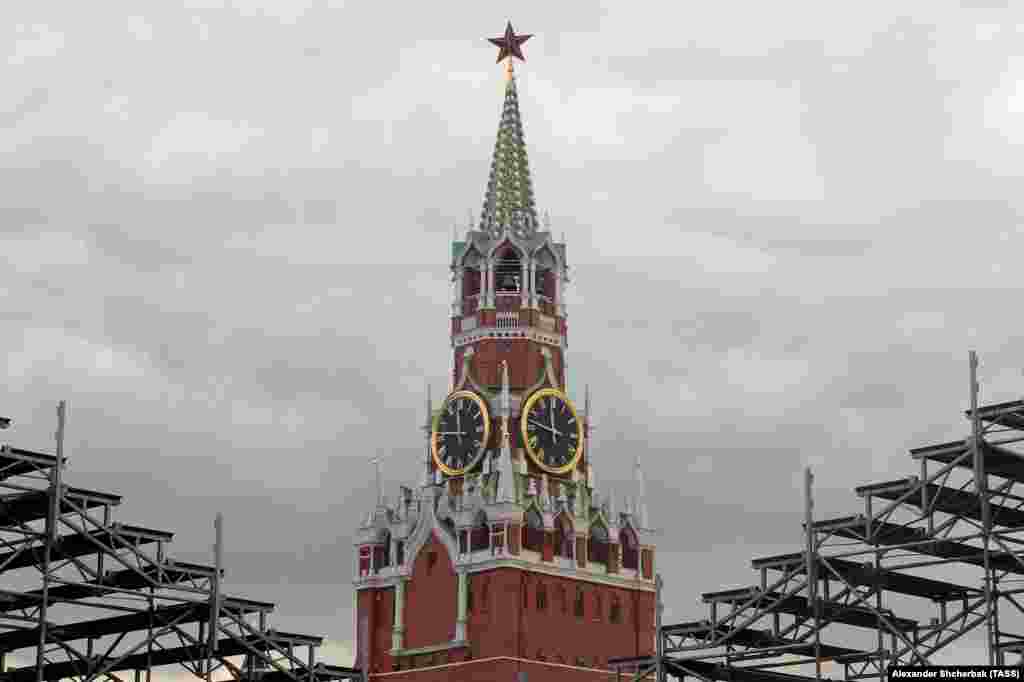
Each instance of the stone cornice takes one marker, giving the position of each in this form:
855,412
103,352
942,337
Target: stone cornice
530,333
580,575
429,649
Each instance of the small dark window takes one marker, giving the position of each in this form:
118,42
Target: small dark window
598,610
563,603
542,597
578,607
526,597
616,612
469,594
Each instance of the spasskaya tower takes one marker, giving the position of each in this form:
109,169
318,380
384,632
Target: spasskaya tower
504,562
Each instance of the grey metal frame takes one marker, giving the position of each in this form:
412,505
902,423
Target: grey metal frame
960,516
65,560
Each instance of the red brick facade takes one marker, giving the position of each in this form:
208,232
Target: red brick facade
554,627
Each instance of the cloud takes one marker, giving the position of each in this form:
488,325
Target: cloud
225,233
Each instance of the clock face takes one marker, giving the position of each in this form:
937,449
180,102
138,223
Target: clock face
460,432
552,432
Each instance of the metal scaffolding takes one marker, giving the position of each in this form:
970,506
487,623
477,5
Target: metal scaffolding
98,598
944,548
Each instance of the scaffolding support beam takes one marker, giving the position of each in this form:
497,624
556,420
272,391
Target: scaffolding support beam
67,542
962,509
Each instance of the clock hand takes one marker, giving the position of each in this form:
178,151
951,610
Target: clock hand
551,413
458,421
449,433
543,426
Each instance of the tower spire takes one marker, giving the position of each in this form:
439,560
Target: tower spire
641,495
509,201
428,472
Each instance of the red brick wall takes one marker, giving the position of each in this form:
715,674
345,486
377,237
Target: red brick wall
524,358
501,626
431,603
377,606
431,598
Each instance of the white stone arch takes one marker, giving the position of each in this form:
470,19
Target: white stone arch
472,257
546,257
502,244
429,524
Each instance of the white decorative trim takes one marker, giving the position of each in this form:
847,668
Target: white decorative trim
509,239
470,248
529,333
595,575
428,523
433,649
549,245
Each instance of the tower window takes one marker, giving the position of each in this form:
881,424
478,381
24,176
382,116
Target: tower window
538,282
578,607
542,597
616,612
526,596
508,273
598,609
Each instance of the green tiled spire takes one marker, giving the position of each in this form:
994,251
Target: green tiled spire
509,201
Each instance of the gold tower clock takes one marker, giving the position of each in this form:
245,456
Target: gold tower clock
552,431
460,432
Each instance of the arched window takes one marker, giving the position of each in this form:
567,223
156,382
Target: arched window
542,597
597,547
508,272
480,535
382,551
616,611
533,531
578,606
598,607
627,538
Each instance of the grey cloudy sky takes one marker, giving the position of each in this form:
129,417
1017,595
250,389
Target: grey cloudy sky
225,227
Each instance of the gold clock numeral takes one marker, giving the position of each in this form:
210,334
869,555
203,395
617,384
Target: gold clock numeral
534,441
